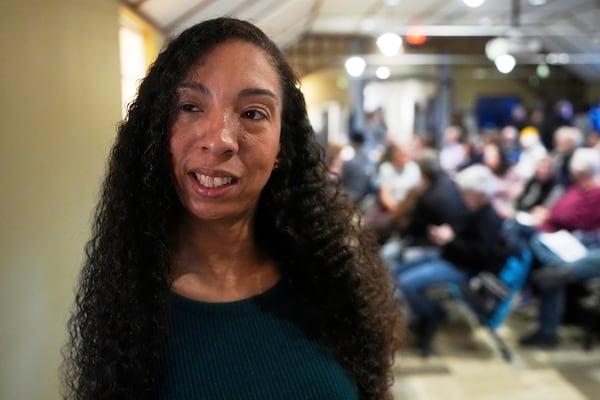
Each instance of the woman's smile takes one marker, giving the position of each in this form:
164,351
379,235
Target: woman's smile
225,138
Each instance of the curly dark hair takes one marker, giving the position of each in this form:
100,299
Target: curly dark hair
311,231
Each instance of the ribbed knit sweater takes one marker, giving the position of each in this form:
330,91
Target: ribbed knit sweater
248,350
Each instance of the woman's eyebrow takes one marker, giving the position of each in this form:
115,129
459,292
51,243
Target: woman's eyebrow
258,92
194,86
247,92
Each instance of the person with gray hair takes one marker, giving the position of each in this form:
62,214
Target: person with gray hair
577,211
470,245
566,140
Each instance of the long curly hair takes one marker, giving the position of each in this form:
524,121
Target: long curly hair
118,324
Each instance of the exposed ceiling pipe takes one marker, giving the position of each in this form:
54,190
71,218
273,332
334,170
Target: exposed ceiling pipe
516,13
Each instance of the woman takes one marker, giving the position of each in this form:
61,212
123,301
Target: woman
222,265
397,175
509,185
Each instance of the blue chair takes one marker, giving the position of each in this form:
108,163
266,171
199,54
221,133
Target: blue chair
512,278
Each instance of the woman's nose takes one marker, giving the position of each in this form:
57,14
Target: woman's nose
220,135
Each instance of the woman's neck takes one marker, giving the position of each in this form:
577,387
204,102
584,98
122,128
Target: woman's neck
220,262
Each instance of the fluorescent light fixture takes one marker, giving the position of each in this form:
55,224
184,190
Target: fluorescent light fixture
389,43
558,58
355,66
473,3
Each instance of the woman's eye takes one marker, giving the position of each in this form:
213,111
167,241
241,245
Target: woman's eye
188,107
254,114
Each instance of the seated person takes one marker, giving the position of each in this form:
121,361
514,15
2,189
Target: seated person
577,211
470,245
395,179
356,172
531,207
435,201
541,190
509,184
566,140
561,273
532,152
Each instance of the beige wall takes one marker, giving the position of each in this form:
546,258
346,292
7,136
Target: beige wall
325,86
467,88
59,104
593,92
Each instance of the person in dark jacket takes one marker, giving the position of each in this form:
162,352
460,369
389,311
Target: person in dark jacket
435,201
439,202
472,244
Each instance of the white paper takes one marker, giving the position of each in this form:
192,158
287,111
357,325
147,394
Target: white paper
564,244
524,218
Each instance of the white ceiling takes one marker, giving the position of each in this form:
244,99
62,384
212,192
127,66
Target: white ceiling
562,26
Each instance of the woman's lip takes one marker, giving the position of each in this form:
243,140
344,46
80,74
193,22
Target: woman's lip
213,173
207,186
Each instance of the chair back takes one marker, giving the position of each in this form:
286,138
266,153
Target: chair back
513,274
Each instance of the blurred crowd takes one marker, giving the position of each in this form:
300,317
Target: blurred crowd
444,212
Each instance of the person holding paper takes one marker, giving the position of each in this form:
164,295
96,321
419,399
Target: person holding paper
575,215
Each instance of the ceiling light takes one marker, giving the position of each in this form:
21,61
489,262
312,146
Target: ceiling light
537,2
558,58
473,3
383,72
543,71
389,43
505,63
496,47
391,3
355,66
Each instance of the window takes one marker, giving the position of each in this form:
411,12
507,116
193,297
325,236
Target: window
137,50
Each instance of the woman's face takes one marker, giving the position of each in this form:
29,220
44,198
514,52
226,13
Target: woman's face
491,157
543,170
400,157
225,138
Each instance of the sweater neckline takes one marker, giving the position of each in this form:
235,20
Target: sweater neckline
268,296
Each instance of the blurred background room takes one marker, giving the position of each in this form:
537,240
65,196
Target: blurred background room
510,84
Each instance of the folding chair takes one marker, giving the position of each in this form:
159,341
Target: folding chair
513,275
591,304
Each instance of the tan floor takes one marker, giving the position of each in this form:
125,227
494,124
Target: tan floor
466,365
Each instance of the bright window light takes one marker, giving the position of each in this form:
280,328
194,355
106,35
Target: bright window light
133,63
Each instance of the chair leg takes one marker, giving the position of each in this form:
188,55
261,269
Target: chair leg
591,330
502,347
588,340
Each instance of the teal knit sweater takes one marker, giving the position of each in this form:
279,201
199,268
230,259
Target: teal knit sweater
247,349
